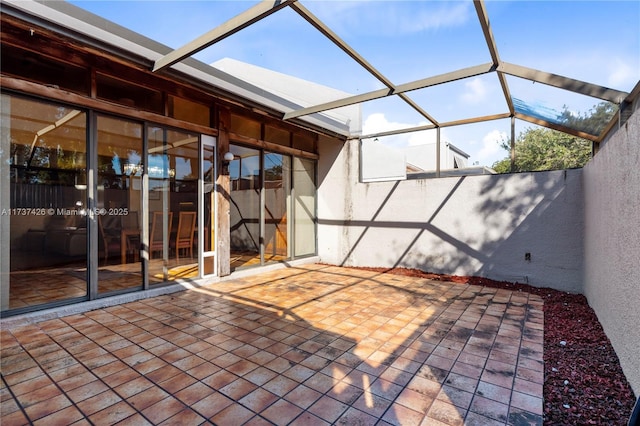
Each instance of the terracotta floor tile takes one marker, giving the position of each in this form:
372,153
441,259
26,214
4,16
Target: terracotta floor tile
455,396
203,370
372,403
133,387
32,385
212,404
177,383
308,419
398,414
194,393
525,386
163,409
467,384
519,417
234,414
238,388
47,407
351,350
161,374
446,413
147,397
414,400
219,379
299,373
494,392
353,416
112,414
488,408
526,402
98,402
258,400
62,417
328,409
186,417
111,368
426,387
16,418
282,412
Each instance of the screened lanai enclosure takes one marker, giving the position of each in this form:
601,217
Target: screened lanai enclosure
136,156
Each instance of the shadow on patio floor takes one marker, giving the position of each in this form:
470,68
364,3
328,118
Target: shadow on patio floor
305,345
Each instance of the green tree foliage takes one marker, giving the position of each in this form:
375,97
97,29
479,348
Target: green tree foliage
545,149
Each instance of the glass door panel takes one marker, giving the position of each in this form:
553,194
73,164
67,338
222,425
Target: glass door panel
119,202
44,195
246,182
173,168
207,228
304,188
277,183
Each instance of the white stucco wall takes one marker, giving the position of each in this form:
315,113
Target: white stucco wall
474,225
612,243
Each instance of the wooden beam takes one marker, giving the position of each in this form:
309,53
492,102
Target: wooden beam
98,105
270,146
223,192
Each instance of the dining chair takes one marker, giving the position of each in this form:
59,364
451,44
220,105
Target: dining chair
185,235
156,238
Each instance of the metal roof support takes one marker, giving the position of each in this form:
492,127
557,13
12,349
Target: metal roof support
402,88
513,144
398,132
232,26
328,33
557,127
493,49
577,86
438,152
431,126
475,120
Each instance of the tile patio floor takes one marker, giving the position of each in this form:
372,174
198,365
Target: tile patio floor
309,345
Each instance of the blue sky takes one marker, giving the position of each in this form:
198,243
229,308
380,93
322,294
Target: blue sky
594,41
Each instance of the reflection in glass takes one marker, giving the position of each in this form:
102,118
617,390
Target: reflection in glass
119,197
173,187
304,228
209,208
43,203
277,175
244,173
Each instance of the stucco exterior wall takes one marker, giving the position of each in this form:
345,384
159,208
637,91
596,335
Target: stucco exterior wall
474,225
612,243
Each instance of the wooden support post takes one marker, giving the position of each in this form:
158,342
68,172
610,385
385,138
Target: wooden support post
223,193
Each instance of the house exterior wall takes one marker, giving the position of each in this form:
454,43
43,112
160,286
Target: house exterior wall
612,243
473,225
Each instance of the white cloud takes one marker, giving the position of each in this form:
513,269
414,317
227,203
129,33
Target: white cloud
491,150
378,122
376,17
621,74
476,91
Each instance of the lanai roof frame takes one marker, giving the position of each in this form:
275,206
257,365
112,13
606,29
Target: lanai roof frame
501,68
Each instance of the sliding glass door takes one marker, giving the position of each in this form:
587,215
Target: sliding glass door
277,191
173,170
43,216
207,225
119,204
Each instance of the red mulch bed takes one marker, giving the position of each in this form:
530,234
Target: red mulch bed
583,381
